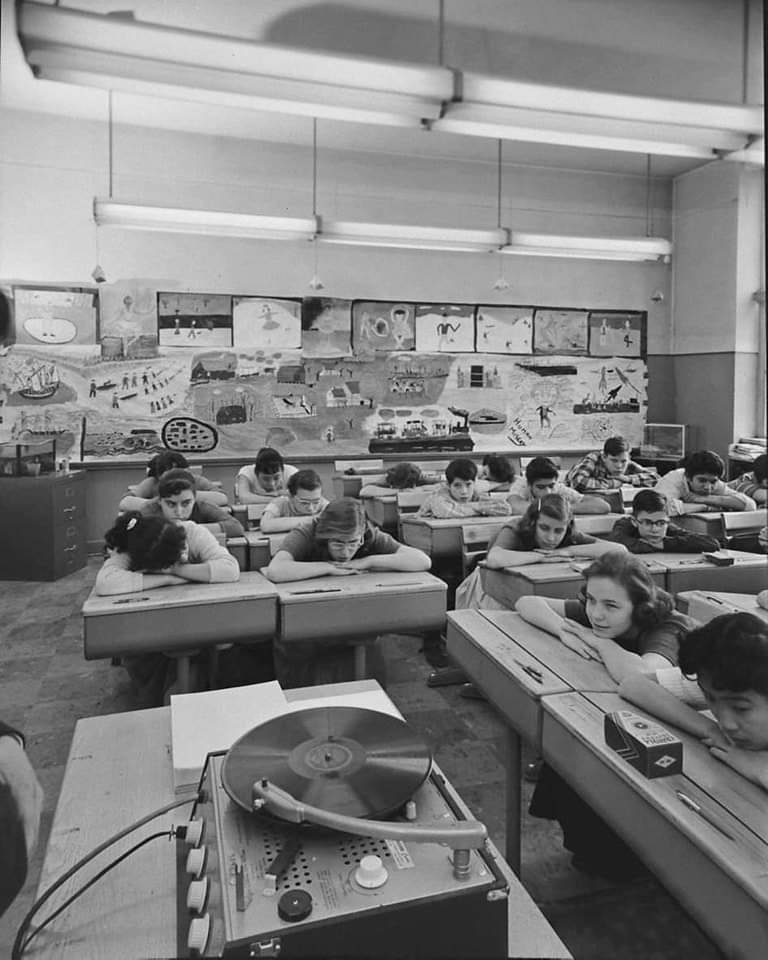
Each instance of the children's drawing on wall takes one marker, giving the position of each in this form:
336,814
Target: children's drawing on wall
445,328
326,327
560,331
187,435
615,386
128,313
266,322
382,327
504,329
615,334
194,320
54,317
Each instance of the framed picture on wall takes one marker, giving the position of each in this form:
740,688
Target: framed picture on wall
616,333
55,316
560,331
445,327
382,326
501,329
267,323
326,327
194,320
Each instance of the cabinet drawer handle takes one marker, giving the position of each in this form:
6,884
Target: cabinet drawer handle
70,511
70,549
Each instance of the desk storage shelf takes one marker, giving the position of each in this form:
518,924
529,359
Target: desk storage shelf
42,524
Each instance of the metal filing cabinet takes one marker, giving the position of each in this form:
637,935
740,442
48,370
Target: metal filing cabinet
42,526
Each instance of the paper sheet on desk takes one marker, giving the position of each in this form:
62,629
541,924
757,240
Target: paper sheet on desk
202,723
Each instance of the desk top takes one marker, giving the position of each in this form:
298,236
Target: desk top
704,605
356,586
250,586
738,804
119,770
595,523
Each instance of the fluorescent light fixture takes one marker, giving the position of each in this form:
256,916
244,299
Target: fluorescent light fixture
506,109
655,249
118,53
411,237
215,223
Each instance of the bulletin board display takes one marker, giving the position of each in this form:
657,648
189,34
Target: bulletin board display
126,369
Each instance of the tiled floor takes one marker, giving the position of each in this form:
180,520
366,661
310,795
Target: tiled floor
46,686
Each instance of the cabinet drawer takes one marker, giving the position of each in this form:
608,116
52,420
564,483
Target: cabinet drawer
68,493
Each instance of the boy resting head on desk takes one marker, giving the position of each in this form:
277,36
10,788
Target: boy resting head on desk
338,543
649,529
403,476
698,487
755,482
623,619
459,497
178,500
541,478
303,501
148,552
610,469
209,491
264,479
728,656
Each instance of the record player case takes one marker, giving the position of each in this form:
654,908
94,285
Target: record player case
421,910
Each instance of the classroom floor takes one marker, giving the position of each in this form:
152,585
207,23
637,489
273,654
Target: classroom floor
46,686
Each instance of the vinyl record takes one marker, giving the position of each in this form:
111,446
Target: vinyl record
345,760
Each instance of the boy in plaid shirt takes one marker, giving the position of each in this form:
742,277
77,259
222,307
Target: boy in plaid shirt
610,469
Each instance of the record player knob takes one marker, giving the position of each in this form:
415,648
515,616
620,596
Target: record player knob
294,905
197,937
371,873
197,894
195,831
196,861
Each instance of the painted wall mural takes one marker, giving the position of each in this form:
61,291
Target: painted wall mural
128,369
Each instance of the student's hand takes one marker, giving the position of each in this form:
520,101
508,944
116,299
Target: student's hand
752,764
132,489
716,737
573,635
560,553
494,508
342,569
358,565
17,773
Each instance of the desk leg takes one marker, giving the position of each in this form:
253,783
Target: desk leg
182,673
359,661
514,796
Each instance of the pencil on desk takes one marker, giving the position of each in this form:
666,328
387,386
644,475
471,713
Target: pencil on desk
703,813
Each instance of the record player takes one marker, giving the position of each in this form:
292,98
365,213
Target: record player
328,833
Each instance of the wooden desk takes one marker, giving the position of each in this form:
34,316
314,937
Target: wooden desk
720,881
729,523
178,620
706,605
748,573
441,539
358,608
119,770
493,648
254,550
382,511
561,580
596,524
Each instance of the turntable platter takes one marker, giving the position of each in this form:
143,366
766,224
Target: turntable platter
347,760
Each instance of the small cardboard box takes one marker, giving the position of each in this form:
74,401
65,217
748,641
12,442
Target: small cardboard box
648,746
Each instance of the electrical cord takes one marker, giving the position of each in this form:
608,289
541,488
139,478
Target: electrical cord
19,943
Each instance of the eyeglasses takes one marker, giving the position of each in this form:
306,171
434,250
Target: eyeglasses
653,524
345,543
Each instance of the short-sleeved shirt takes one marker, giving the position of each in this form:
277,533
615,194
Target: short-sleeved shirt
674,486
303,546
664,638
286,507
249,472
202,512
510,538
520,488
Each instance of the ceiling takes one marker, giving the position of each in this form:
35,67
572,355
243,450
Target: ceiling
591,44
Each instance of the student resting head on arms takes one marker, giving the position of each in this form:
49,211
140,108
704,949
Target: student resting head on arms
544,534
402,476
541,478
178,499
148,552
754,483
303,501
209,491
497,471
610,469
649,529
622,618
338,543
458,497
263,480
728,656
698,487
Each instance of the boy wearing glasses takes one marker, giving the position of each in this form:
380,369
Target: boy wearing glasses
649,529
304,500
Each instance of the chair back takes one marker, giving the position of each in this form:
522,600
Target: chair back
475,539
